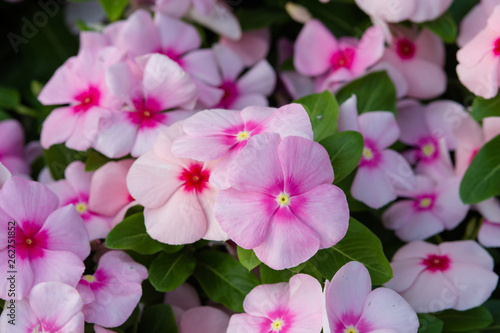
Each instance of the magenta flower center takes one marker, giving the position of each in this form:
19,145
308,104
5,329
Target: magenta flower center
342,58
425,202
174,56
435,263
371,156
148,113
30,242
496,47
405,48
428,149
87,99
230,94
195,178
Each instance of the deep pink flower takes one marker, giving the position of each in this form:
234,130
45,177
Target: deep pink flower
113,291
381,171
282,307
175,192
12,147
352,306
281,202
51,307
430,208
80,83
221,134
50,243
478,60
452,275
161,85
75,190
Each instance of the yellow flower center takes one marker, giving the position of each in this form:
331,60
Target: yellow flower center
283,199
243,135
426,202
29,241
428,149
147,114
81,207
277,325
89,278
367,153
350,329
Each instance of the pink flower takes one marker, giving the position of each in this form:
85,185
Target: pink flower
318,52
430,129
211,319
419,58
80,83
113,291
4,174
380,168
431,208
50,243
51,307
478,60
221,134
162,85
175,192
489,232
401,10
108,194
74,190
475,21
248,89
352,306
252,47
281,202
282,307
452,275
12,147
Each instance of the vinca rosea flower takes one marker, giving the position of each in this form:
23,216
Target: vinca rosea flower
75,190
489,232
12,147
452,275
430,208
175,192
113,291
221,134
352,306
281,202
252,47
50,307
401,10
282,307
475,21
50,243
380,168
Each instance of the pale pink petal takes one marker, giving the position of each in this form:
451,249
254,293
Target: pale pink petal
467,252
289,242
411,121
64,191
476,50
491,128
219,177
177,35
297,85
4,174
11,138
58,126
121,266
122,82
405,273
429,10
348,115
244,101
260,79
425,79
86,129
365,181
397,215
97,226
390,11
63,86
369,49
429,47
380,127
397,170
252,47
306,302
16,165
164,142
473,23
145,139
443,117
184,296
206,148
212,122
448,206
60,266
201,65
314,48
289,120
414,250
229,62
181,220
394,74
489,234
207,200
176,8
245,216
220,20
79,179
23,310
100,329
211,319
419,226
241,322
481,79
490,209
208,96
267,298
24,277
139,35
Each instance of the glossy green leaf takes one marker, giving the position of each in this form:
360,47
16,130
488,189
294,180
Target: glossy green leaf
130,234
345,150
429,324
359,244
247,258
323,111
58,157
114,8
482,108
168,271
95,160
224,279
9,98
482,179
444,26
158,319
256,18
269,275
374,92
463,321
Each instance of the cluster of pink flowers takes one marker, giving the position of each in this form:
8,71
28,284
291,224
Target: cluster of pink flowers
190,141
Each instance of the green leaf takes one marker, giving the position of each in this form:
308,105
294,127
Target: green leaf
247,258
57,158
158,318
323,111
130,234
256,18
462,321
269,275
224,279
114,8
345,150
482,179
429,324
359,244
95,160
482,108
374,92
444,26
9,98
168,271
